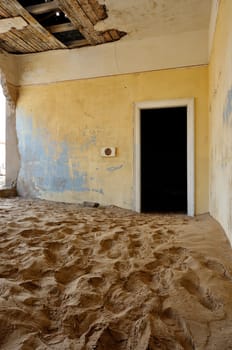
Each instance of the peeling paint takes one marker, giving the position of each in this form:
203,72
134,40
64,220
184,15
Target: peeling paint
44,163
114,168
228,106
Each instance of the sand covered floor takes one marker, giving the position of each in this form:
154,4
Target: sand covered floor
110,279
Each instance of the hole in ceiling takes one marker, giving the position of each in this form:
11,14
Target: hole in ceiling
52,18
68,36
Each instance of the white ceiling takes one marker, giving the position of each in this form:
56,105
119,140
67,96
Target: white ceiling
147,18
161,34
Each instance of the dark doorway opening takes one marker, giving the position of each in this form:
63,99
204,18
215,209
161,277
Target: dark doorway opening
164,160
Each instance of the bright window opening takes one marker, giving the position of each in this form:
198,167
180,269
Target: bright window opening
2,138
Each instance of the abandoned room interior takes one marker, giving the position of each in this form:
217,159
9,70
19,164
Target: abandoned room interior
116,174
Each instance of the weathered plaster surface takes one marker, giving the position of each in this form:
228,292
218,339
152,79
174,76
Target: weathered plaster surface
11,93
149,18
48,165
121,57
220,99
63,126
160,35
9,67
12,152
213,23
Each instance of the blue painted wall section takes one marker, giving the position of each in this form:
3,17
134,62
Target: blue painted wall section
45,164
227,111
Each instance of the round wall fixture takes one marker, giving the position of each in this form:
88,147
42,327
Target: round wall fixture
108,152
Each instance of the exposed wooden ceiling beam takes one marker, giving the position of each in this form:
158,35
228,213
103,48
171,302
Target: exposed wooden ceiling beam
77,43
34,34
65,27
81,21
115,34
42,8
100,10
28,35
87,8
3,13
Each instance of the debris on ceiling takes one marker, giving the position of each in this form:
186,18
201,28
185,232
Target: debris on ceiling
29,26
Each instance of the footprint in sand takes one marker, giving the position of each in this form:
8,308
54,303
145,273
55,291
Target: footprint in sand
134,247
30,233
71,271
8,270
152,265
106,244
30,285
122,266
218,267
50,256
34,270
89,299
149,332
159,236
138,279
192,284
178,326
96,281
112,337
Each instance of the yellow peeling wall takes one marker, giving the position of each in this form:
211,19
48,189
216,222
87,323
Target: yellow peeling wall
220,106
62,127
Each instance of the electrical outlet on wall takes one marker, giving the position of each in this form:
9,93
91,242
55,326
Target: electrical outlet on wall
108,152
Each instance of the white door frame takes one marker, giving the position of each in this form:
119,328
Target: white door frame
189,103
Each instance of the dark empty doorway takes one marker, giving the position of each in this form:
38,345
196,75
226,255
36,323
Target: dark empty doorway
164,159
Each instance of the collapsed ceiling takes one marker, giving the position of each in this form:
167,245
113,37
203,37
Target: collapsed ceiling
29,26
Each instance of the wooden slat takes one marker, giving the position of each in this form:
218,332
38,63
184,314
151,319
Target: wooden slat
3,13
14,43
2,50
99,9
81,22
48,41
83,14
5,46
21,41
77,43
29,36
42,8
88,10
65,27
107,36
114,34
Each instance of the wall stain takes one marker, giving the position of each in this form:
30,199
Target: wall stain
114,168
97,190
228,106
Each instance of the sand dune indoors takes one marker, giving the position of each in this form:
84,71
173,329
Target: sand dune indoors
111,279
